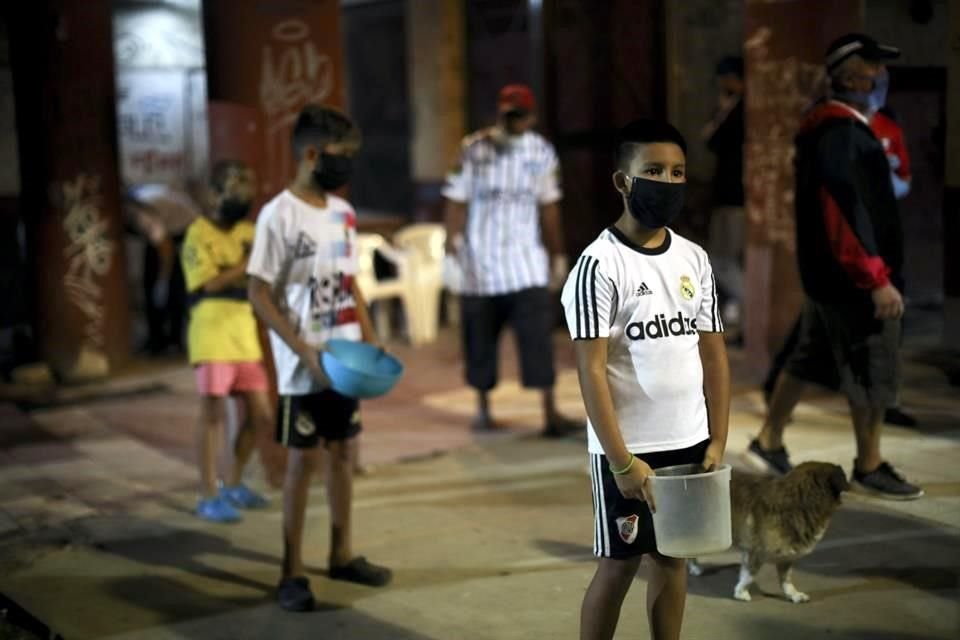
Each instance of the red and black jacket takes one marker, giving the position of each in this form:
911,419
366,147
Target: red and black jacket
849,239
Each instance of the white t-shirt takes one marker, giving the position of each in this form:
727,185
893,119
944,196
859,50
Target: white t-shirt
308,254
504,188
651,304
170,208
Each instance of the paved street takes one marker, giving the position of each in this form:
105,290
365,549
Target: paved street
489,536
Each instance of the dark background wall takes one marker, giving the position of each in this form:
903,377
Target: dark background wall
499,52
374,40
598,76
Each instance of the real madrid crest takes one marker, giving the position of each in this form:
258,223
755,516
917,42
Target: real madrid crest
305,426
687,289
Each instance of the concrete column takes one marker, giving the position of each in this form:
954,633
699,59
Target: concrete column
784,45
951,196
62,60
276,56
436,72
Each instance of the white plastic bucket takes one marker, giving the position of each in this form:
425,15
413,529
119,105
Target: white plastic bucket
693,510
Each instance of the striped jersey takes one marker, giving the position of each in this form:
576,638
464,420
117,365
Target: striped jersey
503,187
651,305
308,255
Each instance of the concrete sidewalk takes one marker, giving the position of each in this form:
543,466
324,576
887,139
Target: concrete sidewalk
489,537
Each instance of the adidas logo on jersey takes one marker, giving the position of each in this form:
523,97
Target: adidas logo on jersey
660,327
644,290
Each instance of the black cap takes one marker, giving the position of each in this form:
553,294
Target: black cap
860,45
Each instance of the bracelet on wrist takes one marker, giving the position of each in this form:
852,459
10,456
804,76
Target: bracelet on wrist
620,472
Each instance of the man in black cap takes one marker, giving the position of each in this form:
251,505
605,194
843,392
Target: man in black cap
850,253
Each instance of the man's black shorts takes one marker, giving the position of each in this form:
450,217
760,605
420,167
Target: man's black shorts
304,421
622,527
847,348
530,314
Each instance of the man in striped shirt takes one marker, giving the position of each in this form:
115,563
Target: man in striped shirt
503,225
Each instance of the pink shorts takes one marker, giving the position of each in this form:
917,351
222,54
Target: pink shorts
224,378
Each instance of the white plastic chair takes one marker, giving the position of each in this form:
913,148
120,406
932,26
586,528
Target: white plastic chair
375,289
423,246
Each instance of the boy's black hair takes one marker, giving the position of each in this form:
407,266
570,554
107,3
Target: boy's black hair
641,132
730,65
319,125
220,172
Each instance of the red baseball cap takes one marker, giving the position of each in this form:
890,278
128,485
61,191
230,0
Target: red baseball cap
516,97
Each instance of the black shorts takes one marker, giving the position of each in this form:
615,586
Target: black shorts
529,313
847,348
622,527
303,421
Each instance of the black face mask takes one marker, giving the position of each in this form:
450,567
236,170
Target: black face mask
332,171
655,204
233,210
512,121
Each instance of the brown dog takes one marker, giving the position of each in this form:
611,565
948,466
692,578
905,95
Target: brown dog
780,520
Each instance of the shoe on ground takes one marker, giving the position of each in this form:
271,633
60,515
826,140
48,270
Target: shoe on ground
217,509
243,497
360,571
773,461
293,594
897,417
885,482
560,427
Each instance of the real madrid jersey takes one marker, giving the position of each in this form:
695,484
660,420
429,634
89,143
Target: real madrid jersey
308,255
651,305
504,187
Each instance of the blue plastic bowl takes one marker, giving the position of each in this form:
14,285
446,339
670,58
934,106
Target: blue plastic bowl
360,370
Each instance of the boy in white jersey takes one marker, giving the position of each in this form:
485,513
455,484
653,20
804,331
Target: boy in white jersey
641,308
302,286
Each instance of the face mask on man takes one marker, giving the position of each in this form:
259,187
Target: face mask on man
332,171
873,100
233,210
877,98
512,121
655,204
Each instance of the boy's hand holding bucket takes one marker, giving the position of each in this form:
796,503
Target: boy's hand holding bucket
632,481
713,456
310,357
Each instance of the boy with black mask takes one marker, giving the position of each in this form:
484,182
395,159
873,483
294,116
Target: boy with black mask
222,337
302,285
641,307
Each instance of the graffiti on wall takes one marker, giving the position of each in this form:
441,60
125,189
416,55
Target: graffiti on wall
293,72
150,125
778,93
89,251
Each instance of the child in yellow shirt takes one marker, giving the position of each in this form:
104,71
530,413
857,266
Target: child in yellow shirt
222,339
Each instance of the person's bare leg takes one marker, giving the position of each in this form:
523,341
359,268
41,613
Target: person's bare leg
600,610
666,597
786,396
550,414
360,469
258,416
212,411
301,464
341,455
866,429
483,421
